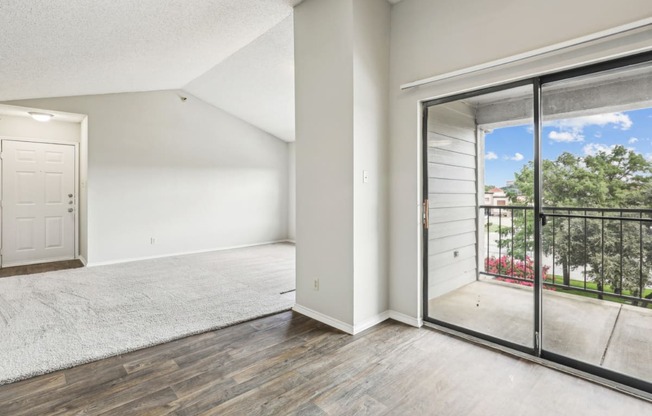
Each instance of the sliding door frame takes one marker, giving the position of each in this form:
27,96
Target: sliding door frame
610,377
424,154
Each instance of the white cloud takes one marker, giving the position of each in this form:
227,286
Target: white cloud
593,149
572,129
490,156
517,157
632,140
619,120
566,136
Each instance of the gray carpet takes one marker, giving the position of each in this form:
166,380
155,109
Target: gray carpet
60,319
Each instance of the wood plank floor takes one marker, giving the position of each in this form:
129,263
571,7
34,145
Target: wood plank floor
40,268
289,364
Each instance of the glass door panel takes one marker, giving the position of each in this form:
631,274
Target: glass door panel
597,195
480,245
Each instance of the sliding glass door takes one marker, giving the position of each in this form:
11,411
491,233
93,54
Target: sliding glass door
538,217
480,248
597,195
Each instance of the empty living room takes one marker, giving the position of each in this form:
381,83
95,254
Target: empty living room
325,207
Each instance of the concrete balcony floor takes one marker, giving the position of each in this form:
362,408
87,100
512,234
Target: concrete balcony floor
602,333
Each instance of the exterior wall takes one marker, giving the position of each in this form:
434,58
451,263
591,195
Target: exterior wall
452,193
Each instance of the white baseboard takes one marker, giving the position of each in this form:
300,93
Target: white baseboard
355,329
182,253
82,259
373,321
406,319
318,316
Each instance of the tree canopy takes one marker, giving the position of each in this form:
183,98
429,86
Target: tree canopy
615,252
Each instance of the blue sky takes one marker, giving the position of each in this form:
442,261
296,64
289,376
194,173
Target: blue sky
508,149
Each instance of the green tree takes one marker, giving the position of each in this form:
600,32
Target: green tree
616,252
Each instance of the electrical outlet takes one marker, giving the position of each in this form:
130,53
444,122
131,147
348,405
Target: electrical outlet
152,240
315,284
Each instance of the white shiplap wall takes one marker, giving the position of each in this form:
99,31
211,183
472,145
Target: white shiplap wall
452,193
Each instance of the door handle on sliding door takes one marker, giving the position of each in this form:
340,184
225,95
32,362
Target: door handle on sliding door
544,219
426,214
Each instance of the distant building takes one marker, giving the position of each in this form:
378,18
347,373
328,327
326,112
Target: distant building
496,197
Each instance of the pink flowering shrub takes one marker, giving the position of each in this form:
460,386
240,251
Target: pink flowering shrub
523,269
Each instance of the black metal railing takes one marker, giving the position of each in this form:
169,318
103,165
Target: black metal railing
610,247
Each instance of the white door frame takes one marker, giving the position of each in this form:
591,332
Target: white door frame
77,188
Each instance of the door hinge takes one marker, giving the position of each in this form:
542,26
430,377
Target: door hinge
426,214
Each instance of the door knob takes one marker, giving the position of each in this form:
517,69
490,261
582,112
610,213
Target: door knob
69,195
69,209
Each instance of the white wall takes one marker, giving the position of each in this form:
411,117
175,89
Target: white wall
27,127
292,192
324,149
342,57
370,131
185,173
431,37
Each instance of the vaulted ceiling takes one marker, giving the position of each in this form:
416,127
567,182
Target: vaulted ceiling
60,48
234,54
256,83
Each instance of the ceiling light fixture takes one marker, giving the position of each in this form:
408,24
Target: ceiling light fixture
41,116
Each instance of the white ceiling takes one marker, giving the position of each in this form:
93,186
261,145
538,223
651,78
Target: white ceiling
256,83
234,54
76,47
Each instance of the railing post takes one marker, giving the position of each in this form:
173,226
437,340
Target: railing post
602,259
620,286
640,258
586,254
512,250
554,260
488,211
500,234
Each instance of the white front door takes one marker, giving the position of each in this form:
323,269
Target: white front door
38,209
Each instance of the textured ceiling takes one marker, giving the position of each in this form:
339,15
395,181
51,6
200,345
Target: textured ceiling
76,47
234,54
256,83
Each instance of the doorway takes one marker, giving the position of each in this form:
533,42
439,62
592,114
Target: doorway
537,223
39,203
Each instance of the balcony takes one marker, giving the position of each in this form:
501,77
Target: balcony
597,299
